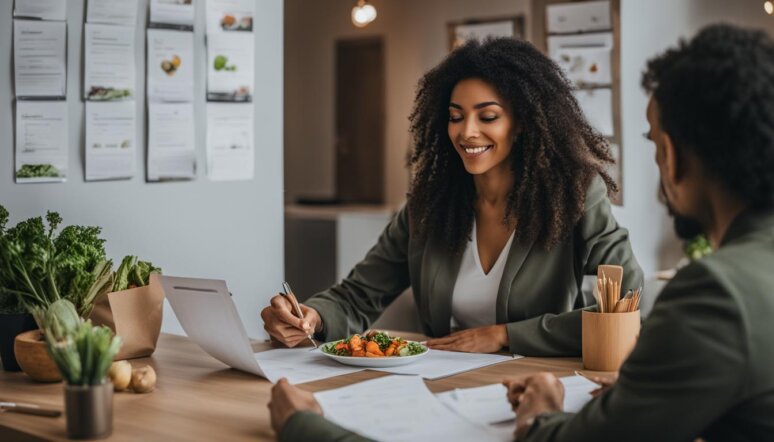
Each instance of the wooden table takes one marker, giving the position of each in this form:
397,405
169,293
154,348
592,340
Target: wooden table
198,398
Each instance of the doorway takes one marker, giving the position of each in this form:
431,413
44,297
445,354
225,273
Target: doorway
360,121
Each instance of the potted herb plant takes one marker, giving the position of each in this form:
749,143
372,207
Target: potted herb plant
83,354
39,267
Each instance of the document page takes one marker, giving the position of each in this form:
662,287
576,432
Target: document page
230,152
111,144
230,66
173,12
170,65
397,408
439,364
39,58
171,153
42,9
41,141
109,62
229,15
113,12
300,365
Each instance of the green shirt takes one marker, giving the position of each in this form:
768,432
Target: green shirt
538,297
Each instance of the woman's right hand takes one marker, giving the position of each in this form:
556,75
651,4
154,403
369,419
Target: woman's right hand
284,326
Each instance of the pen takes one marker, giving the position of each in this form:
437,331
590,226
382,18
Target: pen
29,409
296,308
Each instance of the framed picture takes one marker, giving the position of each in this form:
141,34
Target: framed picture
479,29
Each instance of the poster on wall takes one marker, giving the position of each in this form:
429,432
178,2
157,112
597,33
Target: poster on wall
112,12
170,65
171,148
597,106
230,66
230,148
172,12
41,141
584,58
229,15
41,9
111,140
39,51
109,62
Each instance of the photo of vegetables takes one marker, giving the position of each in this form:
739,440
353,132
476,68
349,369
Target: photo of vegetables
171,66
230,23
38,171
99,93
374,345
220,64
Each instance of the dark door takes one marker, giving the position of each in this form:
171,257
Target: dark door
360,121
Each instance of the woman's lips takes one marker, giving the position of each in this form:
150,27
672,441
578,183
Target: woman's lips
475,150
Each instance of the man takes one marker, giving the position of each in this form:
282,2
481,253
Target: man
704,363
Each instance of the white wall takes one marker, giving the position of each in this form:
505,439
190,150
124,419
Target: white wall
206,229
648,27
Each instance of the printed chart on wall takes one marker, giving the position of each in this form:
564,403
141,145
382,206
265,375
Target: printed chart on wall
172,12
41,141
111,140
113,12
230,150
230,66
109,67
39,58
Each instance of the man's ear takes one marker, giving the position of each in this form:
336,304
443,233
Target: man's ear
673,167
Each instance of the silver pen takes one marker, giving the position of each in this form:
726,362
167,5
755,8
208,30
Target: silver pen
296,307
29,409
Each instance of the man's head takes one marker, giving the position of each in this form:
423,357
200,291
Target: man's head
711,117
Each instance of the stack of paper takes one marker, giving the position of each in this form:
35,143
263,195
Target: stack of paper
440,364
300,365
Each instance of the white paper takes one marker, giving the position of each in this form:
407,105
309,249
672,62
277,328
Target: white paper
230,66
174,12
584,58
39,49
230,145
300,365
41,141
230,15
577,392
109,62
488,404
578,17
597,106
42,9
397,408
170,65
114,12
111,144
171,152
440,364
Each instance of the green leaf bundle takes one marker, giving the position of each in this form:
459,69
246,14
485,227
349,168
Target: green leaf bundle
133,273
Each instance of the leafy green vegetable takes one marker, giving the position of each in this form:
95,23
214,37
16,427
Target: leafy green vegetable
133,273
383,339
37,171
83,353
698,248
40,268
415,348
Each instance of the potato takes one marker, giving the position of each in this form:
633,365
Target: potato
143,379
120,373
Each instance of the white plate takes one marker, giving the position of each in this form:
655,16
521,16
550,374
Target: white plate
387,361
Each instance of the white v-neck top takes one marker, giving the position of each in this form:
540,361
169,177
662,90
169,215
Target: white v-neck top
474,299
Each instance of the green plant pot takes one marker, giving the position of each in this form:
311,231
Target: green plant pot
12,324
89,410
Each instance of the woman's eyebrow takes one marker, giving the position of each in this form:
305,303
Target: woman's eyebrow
477,106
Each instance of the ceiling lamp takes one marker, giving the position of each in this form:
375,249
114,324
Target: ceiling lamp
363,14
768,6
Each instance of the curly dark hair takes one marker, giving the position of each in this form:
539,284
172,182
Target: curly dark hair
715,95
554,158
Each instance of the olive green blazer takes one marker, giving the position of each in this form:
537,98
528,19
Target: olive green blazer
538,296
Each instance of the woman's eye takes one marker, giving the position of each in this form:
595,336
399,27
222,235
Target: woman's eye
455,118
489,118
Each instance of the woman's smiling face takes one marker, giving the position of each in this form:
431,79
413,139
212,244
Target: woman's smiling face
481,126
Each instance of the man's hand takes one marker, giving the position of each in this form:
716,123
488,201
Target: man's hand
533,395
284,326
488,339
287,400
604,382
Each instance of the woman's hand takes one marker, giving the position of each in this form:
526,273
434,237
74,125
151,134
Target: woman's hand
488,339
284,326
287,400
531,396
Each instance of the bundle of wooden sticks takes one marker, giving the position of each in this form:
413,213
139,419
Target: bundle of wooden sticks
608,295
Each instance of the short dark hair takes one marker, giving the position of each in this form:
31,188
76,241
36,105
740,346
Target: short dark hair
554,159
715,95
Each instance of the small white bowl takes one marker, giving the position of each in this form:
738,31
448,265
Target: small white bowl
387,361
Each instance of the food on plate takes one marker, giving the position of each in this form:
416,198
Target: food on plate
374,345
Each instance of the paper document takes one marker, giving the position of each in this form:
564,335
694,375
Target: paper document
170,65
230,151
171,153
41,141
397,408
109,64
230,15
585,59
597,106
173,12
300,365
577,392
111,146
39,58
230,66
488,404
114,12
42,9
439,364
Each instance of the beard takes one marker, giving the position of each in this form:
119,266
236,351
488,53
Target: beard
686,228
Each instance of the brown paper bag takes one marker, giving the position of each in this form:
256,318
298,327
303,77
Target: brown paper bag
134,315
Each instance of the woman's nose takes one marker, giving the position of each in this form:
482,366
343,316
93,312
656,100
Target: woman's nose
470,128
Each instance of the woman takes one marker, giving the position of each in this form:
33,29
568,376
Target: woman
507,211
